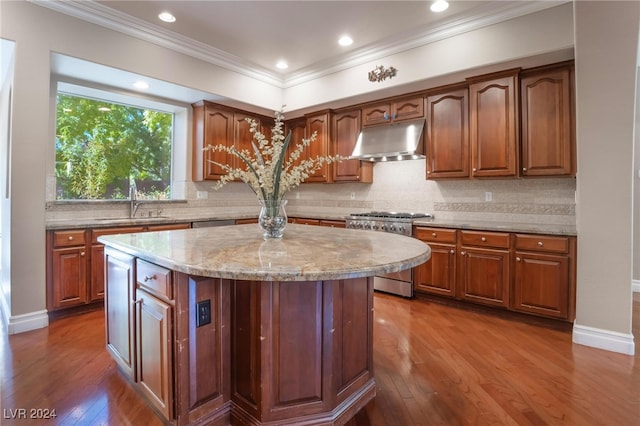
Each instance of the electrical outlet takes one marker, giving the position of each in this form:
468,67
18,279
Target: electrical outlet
202,195
488,196
353,195
203,313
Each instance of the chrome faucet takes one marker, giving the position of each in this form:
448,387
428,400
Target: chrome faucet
134,204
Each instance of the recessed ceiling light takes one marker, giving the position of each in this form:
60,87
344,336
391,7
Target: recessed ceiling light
439,6
166,17
141,85
282,65
345,40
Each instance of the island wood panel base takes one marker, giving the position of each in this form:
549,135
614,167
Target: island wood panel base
273,353
302,351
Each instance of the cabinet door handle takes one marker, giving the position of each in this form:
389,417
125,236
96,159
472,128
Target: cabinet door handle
475,170
452,251
149,277
483,239
463,253
81,253
524,169
434,235
70,238
139,301
540,244
518,259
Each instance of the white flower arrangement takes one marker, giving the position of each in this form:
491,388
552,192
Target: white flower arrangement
268,173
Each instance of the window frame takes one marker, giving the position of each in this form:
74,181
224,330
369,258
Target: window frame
180,134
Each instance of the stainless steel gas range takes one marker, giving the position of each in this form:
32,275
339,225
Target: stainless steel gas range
399,283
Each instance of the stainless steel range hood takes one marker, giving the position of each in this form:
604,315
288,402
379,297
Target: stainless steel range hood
397,141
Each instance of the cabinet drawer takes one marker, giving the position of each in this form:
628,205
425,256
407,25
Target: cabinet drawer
154,279
436,234
485,239
543,243
68,238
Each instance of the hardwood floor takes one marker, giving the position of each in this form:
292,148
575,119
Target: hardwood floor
434,365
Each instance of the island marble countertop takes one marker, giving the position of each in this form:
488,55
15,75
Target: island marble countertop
305,253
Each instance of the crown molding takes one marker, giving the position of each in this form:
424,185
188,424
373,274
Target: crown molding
98,14
107,17
492,14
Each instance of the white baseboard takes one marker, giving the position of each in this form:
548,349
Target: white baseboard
635,285
604,339
27,322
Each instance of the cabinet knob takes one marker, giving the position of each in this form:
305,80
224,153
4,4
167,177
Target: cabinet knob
475,170
483,239
70,238
81,253
463,253
434,235
452,251
518,259
540,244
524,169
139,301
149,277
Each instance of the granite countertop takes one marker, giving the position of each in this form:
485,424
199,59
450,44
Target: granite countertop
305,253
502,226
483,225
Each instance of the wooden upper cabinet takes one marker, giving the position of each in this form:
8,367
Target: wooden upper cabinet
298,129
393,110
346,128
447,135
211,126
218,125
321,124
548,147
242,135
493,128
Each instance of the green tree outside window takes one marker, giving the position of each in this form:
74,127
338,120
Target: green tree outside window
101,147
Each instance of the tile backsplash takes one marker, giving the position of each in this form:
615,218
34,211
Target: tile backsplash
397,186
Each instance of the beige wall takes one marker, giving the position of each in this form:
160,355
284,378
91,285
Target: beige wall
606,68
636,191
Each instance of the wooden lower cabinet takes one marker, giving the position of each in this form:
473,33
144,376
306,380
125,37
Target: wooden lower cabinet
75,264
318,222
528,273
437,275
484,276
67,268
154,350
119,309
544,274
96,265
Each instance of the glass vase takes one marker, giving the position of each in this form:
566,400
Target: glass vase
273,218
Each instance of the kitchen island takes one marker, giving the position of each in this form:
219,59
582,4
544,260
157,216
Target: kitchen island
218,326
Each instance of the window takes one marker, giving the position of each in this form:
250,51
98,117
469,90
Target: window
102,147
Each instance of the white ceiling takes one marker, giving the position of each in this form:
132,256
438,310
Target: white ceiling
251,36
